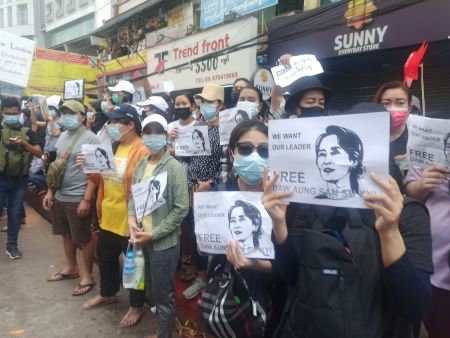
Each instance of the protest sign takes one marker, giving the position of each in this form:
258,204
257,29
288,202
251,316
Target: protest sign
228,119
16,58
327,160
299,66
221,217
148,194
192,141
99,159
428,142
74,89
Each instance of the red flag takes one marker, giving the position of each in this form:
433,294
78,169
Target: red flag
413,63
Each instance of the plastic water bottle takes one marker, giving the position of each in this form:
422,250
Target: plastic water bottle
140,266
129,268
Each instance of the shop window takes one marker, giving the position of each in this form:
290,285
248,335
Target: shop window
285,6
22,15
2,23
70,5
49,12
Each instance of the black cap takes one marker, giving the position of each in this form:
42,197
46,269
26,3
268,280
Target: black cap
305,83
124,110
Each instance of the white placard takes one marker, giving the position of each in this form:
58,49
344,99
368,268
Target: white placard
428,142
99,158
148,194
192,141
221,217
168,86
16,56
74,89
139,95
228,119
299,66
327,160
220,69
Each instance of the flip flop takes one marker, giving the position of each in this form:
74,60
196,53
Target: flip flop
80,286
187,261
189,277
61,276
106,302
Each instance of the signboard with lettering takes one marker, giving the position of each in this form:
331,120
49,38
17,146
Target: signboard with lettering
16,56
328,160
263,80
213,11
428,142
193,67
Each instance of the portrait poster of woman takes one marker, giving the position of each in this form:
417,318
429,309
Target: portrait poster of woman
99,159
74,89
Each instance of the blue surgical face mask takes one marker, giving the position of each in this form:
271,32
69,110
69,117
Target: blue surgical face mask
154,142
70,121
250,168
103,105
113,132
208,111
251,105
53,113
89,115
11,119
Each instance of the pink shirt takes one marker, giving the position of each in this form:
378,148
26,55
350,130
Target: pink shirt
438,203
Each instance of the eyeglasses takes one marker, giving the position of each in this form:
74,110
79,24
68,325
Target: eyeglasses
246,149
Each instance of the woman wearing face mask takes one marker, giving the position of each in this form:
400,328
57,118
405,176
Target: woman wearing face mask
53,130
248,153
396,97
252,98
95,117
112,205
184,117
238,85
160,233
203,174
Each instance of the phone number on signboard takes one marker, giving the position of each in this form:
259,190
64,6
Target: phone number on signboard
224,76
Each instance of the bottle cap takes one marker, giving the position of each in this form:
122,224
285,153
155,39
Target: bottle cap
130,255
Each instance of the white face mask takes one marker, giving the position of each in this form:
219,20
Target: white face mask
252,106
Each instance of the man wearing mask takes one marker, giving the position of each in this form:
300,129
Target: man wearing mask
16,146
238,85
71,204
124,90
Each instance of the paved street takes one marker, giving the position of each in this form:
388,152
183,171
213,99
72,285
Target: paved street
47,309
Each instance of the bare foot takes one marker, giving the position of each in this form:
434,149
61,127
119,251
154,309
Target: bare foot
131,317
98,301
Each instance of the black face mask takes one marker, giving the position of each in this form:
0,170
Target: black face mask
235,96
312,111
183,113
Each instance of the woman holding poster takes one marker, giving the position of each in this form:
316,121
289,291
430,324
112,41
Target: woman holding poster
334,253
158,232
112,207
248,153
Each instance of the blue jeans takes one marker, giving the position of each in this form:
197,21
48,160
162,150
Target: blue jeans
13,189
39,181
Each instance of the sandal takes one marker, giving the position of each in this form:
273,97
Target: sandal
79,289
61,276
187,261
111,300
189,277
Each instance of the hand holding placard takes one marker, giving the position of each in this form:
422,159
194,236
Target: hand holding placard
299,66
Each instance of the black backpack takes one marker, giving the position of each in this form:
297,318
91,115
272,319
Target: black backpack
338,292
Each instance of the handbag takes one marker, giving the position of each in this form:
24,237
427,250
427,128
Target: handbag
227,308
56,169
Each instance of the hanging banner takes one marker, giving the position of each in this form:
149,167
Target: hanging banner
219,68
228,119
299,66
428,142
16,56
327,160
221,217
192,141
213,11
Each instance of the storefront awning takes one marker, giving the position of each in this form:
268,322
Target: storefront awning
124,17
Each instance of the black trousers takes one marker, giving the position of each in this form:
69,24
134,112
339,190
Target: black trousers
109,248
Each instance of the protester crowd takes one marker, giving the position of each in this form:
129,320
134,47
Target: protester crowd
396,258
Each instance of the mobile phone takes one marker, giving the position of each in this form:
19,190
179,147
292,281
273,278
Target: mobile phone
13,138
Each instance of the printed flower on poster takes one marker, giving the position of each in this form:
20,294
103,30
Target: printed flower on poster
359,13
264,76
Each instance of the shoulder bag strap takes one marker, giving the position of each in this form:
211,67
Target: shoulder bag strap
74,142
